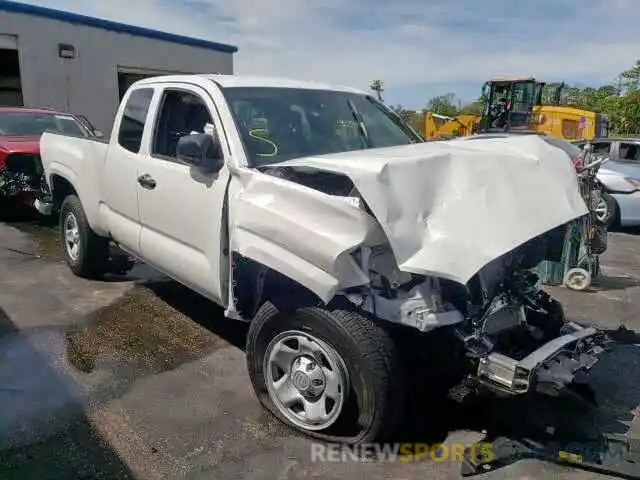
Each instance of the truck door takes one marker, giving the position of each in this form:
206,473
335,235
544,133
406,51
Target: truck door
181,206
119,184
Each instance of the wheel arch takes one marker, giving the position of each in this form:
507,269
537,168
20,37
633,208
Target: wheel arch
63,183
61,187
255,282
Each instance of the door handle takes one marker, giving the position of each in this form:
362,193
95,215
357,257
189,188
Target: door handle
147,181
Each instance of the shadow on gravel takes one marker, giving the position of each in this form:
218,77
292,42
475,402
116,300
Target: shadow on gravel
54,445
43,230
429,419
13,211
628,230
202,311
583,415
610,282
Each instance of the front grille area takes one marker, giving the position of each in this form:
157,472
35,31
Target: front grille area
22,173
24,163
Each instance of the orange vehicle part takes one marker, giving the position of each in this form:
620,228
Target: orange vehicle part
441,127
522,109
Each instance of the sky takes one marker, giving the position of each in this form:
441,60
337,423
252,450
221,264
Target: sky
418,48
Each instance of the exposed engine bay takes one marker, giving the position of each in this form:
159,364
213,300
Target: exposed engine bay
22,173
513,335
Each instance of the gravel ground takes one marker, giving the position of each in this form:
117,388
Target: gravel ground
137,377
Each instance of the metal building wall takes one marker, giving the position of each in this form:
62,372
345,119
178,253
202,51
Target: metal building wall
88,83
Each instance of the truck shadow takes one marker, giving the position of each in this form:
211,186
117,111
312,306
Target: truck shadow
45,432
201,310
611,282
434,417
18,212
431,419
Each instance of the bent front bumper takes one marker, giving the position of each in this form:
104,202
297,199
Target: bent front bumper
43,207
547,369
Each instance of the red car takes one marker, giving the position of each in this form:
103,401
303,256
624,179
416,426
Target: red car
20,164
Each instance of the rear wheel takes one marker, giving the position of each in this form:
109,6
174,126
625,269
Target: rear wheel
331,375
85,252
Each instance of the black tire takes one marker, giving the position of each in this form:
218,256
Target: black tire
376,392
93,256
611,217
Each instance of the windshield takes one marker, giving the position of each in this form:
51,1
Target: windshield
278,124
35,123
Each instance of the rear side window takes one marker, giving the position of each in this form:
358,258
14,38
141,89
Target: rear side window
133,119
602,148
629,152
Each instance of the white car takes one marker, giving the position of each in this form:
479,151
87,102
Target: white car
621,178
313,213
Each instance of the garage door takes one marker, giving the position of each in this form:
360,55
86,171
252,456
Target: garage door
8,42
10,84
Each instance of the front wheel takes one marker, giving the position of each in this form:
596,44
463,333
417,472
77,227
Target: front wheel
606,210
332,375
85,252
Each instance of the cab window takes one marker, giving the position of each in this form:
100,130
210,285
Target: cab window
602,148
181,113
629,152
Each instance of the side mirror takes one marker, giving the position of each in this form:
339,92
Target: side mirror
200,150
98,133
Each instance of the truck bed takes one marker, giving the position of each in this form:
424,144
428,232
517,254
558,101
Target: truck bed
78,160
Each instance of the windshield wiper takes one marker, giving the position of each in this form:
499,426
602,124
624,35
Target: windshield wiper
361,126
414,137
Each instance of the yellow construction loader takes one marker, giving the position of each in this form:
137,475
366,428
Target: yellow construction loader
516,105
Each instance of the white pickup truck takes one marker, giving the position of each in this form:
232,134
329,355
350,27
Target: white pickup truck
312,212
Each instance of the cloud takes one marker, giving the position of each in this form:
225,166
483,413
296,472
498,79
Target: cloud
416,47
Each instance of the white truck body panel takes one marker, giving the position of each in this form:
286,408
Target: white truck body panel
79,161
305,234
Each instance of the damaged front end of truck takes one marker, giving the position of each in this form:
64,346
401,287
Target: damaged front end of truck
22,179
430,237
516,337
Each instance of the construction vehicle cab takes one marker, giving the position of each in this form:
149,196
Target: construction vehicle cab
509,104
521,105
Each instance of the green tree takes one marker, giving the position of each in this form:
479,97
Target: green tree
413,118
474,108
629,113
631,78
443,105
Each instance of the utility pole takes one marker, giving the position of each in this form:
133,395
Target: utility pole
378,87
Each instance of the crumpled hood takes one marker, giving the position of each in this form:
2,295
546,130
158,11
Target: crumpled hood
450,208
